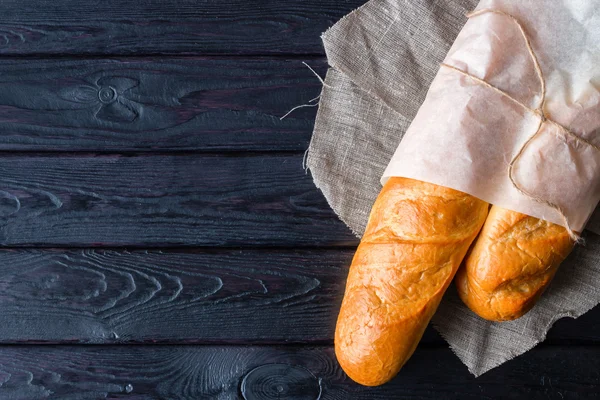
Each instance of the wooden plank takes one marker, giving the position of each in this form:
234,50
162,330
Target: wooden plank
173,27
215,296
156,104
163,200
212,296
263,373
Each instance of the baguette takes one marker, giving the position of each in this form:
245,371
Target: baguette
511,263
416,238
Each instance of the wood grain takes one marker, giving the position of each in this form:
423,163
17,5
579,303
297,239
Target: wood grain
211,296
163,200
265,373
168,27
161,104
157,296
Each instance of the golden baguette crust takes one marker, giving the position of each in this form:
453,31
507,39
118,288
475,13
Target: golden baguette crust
512,262
416,238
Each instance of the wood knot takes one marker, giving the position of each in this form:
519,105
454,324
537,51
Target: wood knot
107,95
280,381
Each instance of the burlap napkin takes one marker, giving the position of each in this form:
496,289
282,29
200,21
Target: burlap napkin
383,58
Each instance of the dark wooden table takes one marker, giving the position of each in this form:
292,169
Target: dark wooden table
160,238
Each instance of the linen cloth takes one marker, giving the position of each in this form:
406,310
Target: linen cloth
383,58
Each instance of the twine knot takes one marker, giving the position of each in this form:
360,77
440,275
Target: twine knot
542,115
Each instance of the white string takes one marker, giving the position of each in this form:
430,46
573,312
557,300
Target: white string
317,75
304,161
312,100
296,108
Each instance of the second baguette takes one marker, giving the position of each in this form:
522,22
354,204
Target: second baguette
511,263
